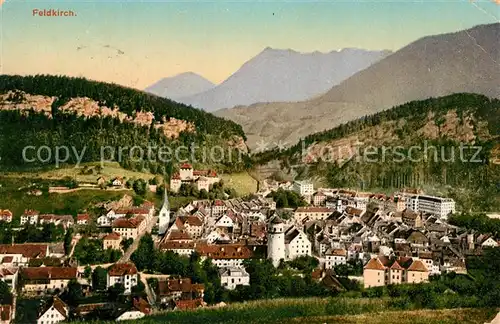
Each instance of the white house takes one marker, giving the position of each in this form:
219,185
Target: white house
224,221
303,188
129,227
123,273
104,221
489,242
438,206
296,244
30,217
230,278
140,309
335,257
21,254
225,255
54,312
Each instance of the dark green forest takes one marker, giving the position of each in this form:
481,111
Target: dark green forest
20,129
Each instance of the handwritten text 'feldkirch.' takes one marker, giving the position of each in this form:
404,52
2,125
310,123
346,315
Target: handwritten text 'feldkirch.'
53,13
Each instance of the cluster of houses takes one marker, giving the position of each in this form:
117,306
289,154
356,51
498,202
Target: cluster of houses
201,179
401,238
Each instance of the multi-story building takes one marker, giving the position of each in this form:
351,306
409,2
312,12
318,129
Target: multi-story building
43,279
112,241
276,249
54,311
335,257
438,206
177,289
303,188
82,219
312,213
10,277
230,278
203,179
129,227
225,255
5,215
296,244
30,217
123,273
21,254
383,271
64,220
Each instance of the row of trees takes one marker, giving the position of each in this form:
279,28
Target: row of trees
478,222
31,233
90,251
287,199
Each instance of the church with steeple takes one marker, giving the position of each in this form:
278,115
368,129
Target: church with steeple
164,214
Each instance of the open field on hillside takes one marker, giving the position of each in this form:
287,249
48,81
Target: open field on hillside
18,200
109,171
242,182
320,310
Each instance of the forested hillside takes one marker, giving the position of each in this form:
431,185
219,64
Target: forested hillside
417,144
54,111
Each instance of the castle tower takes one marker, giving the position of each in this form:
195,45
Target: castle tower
276,240
164,214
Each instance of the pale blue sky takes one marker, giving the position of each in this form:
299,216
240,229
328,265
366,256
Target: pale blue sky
212,38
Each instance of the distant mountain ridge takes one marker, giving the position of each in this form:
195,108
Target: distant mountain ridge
433,66
180,85
284,75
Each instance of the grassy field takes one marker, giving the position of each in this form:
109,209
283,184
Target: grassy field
320,310
111,170
242,182
18,200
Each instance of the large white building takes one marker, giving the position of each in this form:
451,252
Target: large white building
438,206
202,179
230,277
303,188
276,250
296,244
123,273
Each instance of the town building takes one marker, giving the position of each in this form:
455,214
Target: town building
21,254
54,311
438,206
5,215
203,179
381,271
129,227
225,255
230,277
303,188
43,279
178,289
296,244
123,273
30,217
140,308
335,257
112,241
312,213
10,277
83,219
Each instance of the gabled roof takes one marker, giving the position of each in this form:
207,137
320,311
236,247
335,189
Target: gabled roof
44,273
417,265
112,236
121,269
124,222
82,217
27,250
396,266
374,264
188,304
186,166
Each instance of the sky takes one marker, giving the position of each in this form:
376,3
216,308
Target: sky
135,43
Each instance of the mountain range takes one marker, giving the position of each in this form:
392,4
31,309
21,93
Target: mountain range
276,75
433,66
181,85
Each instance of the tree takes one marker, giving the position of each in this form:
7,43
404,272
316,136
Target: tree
115,291
87,272
140,187
126,243
144,256
68,237
99,279
5,294
74,292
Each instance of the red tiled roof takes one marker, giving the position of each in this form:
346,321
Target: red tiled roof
29,212
313,210
338,252
396,266
7,259
5,213
417,265
121,269
225,251
186,166
188,304
173,245
28,250
112,236
176,176
128,222
374,264
40,273
219,203
82,217
190,220
178,235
